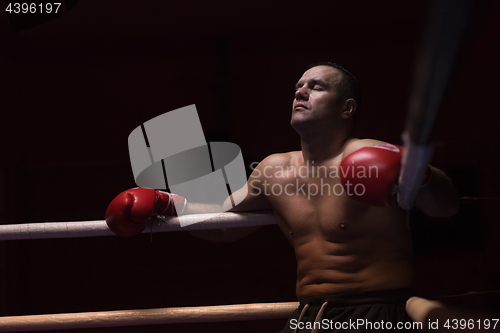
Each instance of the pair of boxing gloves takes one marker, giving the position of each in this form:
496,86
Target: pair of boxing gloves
368,175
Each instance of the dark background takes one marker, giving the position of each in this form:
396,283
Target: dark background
72,90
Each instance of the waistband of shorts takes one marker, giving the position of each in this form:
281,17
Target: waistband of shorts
367,297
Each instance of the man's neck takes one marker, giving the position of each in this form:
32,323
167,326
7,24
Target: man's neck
320,148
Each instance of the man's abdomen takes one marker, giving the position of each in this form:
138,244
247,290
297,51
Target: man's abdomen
326,268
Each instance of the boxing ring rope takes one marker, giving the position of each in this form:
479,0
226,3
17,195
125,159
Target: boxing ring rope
198,314
100,228
78,229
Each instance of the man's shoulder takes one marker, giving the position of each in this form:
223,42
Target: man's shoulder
278,161
355,144
282,159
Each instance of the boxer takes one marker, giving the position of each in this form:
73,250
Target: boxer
335,202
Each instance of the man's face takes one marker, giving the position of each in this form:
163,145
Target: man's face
316,95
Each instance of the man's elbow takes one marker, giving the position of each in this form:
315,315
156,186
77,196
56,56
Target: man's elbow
454,207
442,209
448,210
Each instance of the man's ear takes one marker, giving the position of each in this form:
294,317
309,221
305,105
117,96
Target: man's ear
349,108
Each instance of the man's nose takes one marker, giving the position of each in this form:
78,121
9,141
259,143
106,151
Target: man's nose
301,93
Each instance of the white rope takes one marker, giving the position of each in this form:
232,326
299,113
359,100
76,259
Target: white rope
100,228
199,314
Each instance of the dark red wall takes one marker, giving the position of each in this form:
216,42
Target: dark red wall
74,88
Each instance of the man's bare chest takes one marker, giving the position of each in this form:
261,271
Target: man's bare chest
315,205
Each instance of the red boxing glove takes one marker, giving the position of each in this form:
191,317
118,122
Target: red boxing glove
129,210
370,173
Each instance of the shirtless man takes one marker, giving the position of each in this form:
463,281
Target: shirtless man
353,259
342,246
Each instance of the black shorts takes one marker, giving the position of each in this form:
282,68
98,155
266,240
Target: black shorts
373,311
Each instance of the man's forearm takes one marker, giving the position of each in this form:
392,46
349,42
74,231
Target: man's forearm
438,198
201,208
219,235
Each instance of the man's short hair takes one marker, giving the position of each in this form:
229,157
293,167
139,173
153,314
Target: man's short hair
349,86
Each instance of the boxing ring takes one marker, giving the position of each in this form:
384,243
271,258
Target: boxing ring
419,148
222,313
157,316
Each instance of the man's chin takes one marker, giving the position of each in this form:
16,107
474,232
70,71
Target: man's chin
299,124
296,118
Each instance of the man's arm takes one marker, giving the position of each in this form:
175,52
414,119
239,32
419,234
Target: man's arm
251,197
438,198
